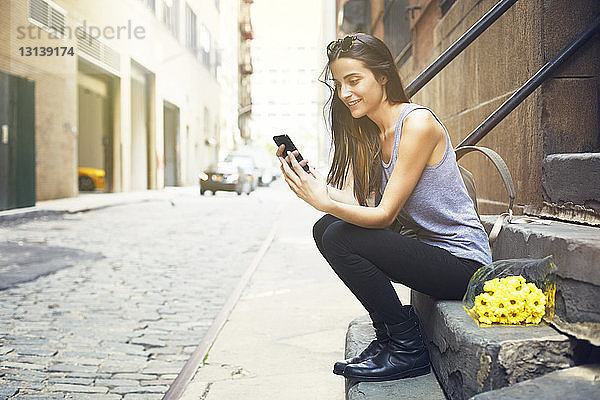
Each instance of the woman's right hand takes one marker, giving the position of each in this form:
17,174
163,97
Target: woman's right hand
280,153
280,150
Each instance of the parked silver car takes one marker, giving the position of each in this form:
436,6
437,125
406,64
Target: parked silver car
246,162
226,176
260,161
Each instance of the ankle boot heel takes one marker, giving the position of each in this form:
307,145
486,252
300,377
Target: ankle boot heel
420,371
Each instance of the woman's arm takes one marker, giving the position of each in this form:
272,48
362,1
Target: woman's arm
420,135
345,195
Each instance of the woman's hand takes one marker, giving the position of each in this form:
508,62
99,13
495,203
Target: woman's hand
309,186
279,153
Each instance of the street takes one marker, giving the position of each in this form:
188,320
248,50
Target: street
125,293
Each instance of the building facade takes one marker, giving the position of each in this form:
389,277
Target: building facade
561,116
136,91
246,34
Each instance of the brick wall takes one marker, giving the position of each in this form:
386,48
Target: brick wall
560,116
55,111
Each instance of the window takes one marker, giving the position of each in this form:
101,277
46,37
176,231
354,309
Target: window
49,16
217,61
191,30
397,32
150,4
205,46
170,15
357,16
445,5
206,122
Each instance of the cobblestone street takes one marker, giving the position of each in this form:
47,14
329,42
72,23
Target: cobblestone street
129,291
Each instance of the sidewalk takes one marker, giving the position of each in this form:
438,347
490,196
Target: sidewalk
288,327
89,201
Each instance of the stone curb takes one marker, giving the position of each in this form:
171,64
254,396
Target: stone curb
577,383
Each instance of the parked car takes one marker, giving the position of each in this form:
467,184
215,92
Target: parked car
226,176
267,175
246,162
90,179
264,163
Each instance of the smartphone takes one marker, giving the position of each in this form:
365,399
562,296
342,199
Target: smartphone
289,146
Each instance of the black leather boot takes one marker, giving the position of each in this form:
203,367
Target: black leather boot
372,349
404,356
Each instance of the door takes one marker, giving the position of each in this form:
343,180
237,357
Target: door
171,141
17,142
139,132
4,143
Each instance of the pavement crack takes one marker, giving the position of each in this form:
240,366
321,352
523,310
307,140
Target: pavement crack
206,391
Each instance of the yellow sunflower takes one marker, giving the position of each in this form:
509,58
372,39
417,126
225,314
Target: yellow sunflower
491,285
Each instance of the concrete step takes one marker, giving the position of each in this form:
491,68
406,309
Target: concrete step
576,251
360,334
469,359
577,383
570,187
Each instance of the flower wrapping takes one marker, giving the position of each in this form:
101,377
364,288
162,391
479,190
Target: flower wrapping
512,292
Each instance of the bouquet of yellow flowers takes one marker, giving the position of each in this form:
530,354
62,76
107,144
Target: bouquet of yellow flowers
500,294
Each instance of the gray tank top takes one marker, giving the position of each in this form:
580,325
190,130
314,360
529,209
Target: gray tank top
439,211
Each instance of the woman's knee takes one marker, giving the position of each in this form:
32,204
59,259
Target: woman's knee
320,226
336,235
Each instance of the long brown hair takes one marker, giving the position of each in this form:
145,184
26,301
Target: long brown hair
356,140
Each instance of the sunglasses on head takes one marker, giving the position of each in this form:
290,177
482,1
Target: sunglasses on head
344,44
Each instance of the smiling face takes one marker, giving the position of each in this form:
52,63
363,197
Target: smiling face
357,87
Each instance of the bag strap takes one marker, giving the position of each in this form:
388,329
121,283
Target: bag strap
506,179
469,182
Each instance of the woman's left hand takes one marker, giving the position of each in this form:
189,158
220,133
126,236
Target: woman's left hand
310,187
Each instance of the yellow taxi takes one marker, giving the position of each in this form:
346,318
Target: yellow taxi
90,179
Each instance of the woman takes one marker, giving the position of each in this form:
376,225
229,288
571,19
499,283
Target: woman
400,153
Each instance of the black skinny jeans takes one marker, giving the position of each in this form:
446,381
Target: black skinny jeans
367,260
